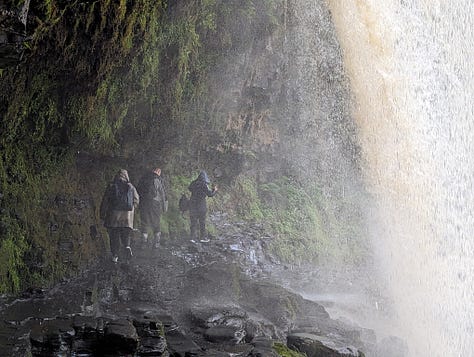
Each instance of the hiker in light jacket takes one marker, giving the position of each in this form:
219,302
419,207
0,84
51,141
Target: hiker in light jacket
197,204
119,223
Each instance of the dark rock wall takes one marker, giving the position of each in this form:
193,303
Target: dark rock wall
255,89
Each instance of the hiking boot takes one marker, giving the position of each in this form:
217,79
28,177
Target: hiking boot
128,252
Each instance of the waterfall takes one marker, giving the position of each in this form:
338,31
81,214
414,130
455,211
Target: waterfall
409,63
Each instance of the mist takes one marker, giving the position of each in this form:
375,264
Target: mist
408,64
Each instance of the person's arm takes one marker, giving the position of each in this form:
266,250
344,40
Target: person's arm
191,187
209,192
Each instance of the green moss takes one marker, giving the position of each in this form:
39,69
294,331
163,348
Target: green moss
305,226
296,218
284,351
291,306
12,248
248,205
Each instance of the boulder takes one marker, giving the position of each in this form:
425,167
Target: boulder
120,336
85,326
206,317
224,334
263,347
178,344
152,346
320,346
279,305
259,328
52,335
151,334
181,345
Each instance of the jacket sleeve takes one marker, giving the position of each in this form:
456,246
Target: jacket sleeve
165,196
136,197
160,192
209,192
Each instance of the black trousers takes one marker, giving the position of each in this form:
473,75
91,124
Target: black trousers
198,218
119,236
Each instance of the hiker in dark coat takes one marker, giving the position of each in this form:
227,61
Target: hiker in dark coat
119,222
153,203
197,204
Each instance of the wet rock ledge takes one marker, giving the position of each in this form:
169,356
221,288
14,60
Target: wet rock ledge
184,299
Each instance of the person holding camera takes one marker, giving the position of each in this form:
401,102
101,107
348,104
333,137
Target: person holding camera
197,205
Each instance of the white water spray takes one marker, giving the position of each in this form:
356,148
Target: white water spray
410,66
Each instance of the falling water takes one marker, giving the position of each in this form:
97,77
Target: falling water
409,63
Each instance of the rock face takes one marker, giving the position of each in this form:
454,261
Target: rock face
12,34
287,85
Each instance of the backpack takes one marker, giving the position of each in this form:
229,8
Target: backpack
145,187
122,196
183,203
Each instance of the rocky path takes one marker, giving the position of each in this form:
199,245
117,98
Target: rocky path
206,299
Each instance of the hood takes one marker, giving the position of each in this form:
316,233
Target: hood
122,175
203,177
